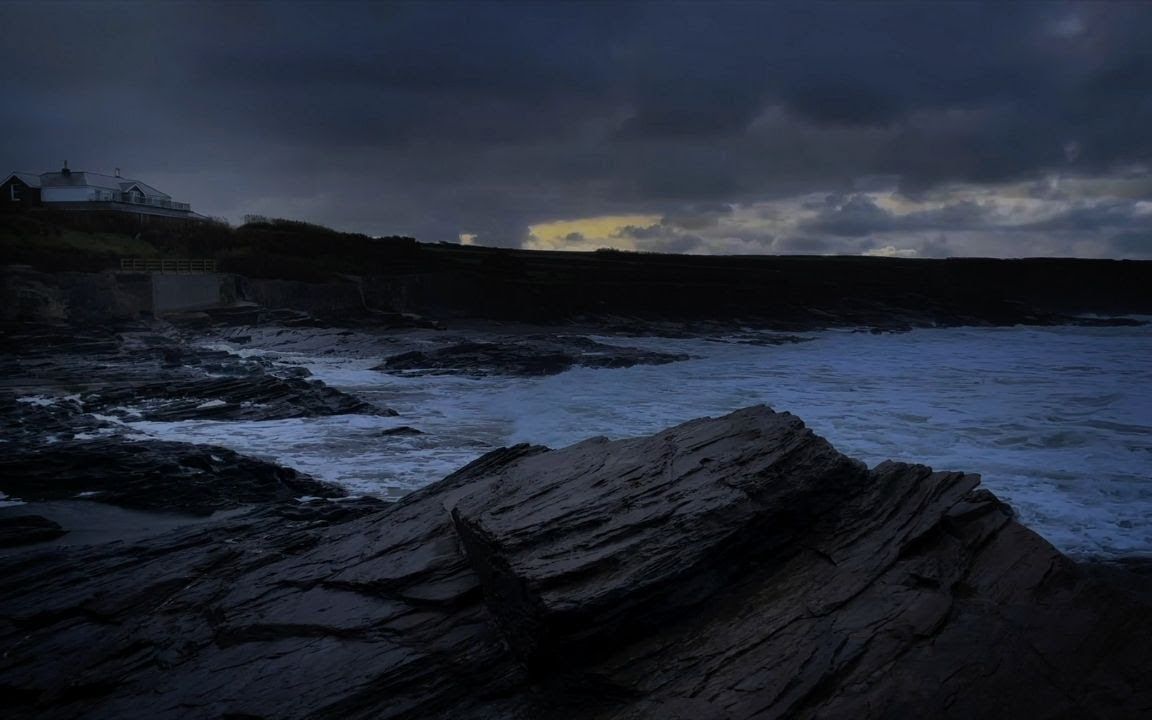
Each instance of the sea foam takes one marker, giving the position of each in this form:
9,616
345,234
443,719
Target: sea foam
1058,421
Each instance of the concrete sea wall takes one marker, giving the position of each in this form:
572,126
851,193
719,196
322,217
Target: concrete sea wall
172,293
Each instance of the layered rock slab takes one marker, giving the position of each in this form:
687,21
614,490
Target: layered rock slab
152,475
606,538
242,398
737,567
26,529
523,356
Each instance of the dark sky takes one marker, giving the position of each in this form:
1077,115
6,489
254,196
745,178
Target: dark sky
929,129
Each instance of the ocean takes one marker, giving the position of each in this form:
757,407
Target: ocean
1057,420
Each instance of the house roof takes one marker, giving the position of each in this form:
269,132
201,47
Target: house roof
83,178
29,179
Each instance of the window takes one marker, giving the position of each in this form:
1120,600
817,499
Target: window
14,191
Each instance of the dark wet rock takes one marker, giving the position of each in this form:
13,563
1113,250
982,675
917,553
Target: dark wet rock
145,371
522,356
891,329
240,315
41,355
762,339
326,511
402,430
204,360
27,529
1133,573
151,475
1099,321
730,568
309,341
295,371
24,338
34,420
244,398
596,573
290,304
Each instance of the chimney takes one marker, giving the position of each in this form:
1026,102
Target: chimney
66,172
117,172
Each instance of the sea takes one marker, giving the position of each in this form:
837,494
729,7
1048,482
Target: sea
1057,420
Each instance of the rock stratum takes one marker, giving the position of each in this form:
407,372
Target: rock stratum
737,567
525,356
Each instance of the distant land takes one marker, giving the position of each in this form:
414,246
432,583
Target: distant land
341,275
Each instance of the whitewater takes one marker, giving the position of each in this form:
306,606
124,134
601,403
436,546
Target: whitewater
1058,420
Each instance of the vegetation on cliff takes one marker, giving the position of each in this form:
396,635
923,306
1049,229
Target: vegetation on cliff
451,281
261,247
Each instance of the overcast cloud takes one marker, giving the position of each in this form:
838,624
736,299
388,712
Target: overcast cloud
928,129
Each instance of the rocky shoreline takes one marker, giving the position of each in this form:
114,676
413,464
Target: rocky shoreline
733,567
70,393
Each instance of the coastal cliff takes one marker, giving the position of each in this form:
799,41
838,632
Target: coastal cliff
70,274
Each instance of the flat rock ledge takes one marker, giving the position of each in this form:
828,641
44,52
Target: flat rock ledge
157,475
727,568
26,529
243,398
523,356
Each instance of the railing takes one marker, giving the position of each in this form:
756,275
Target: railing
138,199
177,267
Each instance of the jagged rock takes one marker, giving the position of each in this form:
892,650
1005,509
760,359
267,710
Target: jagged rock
730,568
762,339
327,510
401,430
35,420
244,398
580,552
152,475
134,371
522,356
27,529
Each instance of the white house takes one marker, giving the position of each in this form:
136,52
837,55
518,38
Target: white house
83,190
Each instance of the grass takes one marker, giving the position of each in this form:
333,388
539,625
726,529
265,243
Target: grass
47,246
262,247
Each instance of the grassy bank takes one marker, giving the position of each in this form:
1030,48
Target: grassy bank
453,281
264,247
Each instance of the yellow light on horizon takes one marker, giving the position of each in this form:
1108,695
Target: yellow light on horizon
586,234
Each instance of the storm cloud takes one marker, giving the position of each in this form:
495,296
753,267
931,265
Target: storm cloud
928,129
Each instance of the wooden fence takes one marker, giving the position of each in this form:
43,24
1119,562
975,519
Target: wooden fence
168,266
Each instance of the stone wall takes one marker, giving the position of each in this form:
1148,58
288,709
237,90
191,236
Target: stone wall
172,293
30,295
